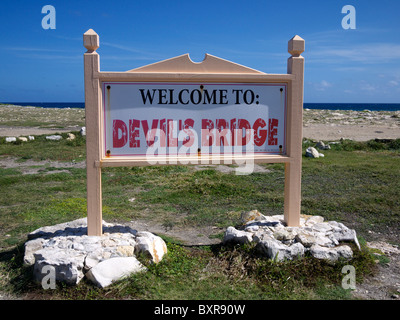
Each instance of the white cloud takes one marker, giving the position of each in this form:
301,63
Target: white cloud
59,57
141,52
371,53
31,49
325,84
322,86
367,87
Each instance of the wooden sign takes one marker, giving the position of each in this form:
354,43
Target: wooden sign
184,119
179,112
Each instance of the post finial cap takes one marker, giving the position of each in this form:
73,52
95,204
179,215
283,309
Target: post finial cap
296,46
91,40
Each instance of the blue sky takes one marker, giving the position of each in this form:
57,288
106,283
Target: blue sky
360,65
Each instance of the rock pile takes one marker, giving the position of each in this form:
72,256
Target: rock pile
277,241
322,146
103,259
54,137
313,152
23,139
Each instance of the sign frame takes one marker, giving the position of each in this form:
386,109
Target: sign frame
268,103
182,70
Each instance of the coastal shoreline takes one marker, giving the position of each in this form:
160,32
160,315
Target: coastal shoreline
335,132
333,125
318,124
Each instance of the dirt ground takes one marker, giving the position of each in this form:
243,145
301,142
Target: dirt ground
385,285
333,125
6,131
356,132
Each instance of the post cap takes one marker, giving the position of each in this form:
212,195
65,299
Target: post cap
91,40
296,46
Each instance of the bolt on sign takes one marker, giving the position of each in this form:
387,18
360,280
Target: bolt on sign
180,112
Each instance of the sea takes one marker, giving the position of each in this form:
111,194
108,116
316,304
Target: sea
327,106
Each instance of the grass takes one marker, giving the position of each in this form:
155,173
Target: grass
360,186
355,183
43,149
206,273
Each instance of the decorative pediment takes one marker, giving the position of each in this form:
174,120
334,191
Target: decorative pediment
183,64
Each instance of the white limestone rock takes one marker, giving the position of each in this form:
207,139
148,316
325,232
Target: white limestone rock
30,248
126,251
237,236
275,240
322,228
284,234
346,234
322,146
252,228
248,216
68,264
75,227
311,152
72,253
311,220
310,238
71,136
11,139
54,137
331,254
278,251
151,245
106,272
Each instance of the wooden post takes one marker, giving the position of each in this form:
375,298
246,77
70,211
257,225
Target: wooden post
93,133
295,66
182,68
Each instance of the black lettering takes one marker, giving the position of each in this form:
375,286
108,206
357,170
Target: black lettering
207,97
147,96
171,97
237,95
245,97
180,96
222,97
192,96
162,94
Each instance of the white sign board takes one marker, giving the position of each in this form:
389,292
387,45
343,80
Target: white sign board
176,109
161,119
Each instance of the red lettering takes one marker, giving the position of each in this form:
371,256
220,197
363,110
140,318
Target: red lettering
244,124
133,133
259,135
272,132
163,137
222,131
150,136
227,132
172,141
187,124
206,135
120,134
233,127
